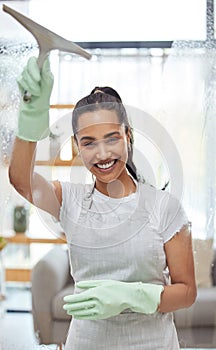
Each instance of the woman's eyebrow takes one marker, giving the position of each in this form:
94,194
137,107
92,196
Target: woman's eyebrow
87,138
91,138
110,134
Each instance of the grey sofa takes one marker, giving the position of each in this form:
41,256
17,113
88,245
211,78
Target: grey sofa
51,281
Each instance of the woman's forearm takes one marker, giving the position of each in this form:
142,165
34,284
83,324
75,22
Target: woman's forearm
177,296
22,166
31,185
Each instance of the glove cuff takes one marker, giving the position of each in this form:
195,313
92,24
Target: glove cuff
33,129
147,297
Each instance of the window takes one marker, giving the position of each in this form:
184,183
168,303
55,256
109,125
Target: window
124,21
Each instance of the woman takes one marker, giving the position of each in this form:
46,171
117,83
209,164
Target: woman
129,243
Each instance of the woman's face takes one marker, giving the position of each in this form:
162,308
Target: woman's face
102,144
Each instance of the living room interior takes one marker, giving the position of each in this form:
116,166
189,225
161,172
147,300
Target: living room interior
160,56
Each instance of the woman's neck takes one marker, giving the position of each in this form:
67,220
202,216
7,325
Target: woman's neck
121,187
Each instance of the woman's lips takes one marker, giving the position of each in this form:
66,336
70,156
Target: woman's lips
106,166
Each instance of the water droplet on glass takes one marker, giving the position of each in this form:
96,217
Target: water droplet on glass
190,82
13,56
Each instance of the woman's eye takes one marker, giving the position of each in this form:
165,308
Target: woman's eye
112,140
89,144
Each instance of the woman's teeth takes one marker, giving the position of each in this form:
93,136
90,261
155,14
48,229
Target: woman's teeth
105,165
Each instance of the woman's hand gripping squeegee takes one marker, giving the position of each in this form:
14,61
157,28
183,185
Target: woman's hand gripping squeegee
36,80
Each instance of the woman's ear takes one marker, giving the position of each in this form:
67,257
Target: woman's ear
78,150
75,147
128,134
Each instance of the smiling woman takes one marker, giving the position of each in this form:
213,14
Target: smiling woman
103,145
129,243
102,131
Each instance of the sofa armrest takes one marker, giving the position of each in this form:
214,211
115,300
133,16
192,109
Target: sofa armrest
201,314
213,270
49,276
51,273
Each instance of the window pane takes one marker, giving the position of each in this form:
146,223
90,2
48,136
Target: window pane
123,20
214,19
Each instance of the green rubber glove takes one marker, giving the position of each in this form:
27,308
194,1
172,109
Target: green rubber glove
33,120
107,298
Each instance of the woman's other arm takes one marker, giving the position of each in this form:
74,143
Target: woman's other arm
182,291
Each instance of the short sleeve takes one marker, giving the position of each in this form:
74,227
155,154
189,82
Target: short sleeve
172,217
70,208
73,199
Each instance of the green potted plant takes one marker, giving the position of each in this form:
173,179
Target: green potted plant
3,242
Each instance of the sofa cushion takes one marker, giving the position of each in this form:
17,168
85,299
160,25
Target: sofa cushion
203,258
201,313
57,303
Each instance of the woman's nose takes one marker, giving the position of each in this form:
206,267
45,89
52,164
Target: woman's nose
103,151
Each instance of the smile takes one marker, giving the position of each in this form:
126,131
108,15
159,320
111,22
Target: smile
106,165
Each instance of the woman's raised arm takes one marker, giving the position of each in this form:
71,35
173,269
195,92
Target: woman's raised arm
33,125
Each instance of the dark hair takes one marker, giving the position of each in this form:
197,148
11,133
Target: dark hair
107,90
108,99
